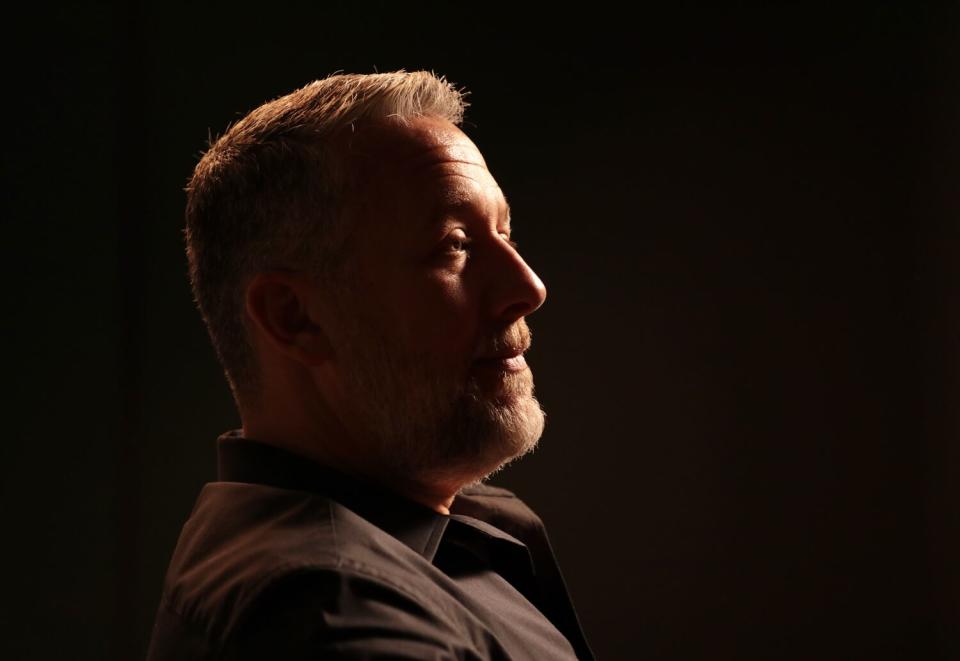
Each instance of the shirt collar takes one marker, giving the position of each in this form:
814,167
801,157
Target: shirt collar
242,459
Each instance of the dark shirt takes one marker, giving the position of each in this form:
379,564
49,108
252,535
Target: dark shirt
285,559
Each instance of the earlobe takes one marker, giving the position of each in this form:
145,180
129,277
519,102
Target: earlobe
279,310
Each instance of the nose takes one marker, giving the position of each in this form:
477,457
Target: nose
519,291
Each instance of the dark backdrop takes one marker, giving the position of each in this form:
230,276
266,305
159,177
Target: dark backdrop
746,217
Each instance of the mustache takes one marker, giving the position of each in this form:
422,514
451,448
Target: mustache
515,339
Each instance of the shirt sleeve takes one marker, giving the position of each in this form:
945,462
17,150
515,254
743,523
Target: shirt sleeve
329,614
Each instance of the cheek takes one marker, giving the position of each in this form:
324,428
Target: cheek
444,316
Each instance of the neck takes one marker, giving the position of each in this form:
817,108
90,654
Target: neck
324,438
326,450
436,498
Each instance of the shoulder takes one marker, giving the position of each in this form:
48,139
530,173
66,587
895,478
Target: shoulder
340,612
246,545
350,613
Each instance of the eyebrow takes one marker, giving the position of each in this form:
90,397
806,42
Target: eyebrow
444,209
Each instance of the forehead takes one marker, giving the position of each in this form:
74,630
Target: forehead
418,143
426,167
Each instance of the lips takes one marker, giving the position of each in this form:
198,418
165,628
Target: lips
507,361
504,351
506,354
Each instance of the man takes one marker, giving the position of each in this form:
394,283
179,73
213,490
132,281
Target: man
351,256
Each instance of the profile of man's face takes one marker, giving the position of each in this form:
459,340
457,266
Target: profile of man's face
430,332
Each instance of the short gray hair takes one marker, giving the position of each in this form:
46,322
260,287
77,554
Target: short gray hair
269,193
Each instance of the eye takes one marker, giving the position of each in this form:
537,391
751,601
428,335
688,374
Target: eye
506,237
456,242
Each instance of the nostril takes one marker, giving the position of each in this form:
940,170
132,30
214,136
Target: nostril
516,311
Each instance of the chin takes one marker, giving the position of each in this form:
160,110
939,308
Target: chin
517,427
471,436
490,434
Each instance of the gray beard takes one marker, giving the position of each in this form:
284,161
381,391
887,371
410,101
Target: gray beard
426,429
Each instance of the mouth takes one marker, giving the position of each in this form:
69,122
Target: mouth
510,360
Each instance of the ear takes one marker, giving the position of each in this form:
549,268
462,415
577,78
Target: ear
278,304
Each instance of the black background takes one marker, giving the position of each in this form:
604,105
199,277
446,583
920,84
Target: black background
746,217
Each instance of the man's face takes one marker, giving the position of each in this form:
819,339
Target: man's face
431,339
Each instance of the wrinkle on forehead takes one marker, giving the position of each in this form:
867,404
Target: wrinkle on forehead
415,144
462,152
